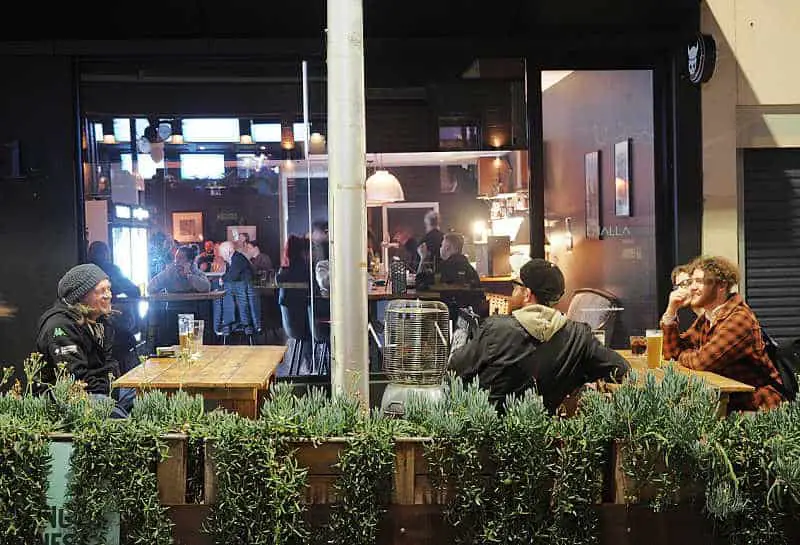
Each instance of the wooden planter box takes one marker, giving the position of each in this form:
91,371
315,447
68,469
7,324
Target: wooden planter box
619,482
411,485
415,513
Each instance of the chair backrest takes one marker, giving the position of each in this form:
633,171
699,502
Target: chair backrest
594,307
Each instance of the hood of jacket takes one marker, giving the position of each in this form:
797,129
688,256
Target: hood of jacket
60,307
540,321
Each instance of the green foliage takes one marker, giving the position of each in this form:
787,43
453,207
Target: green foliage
313,415
461,425
520,477
260,488
365,484
24,467
522,452
752,466
113,469
657,427
581,451
171,413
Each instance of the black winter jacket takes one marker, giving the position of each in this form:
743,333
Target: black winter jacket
62,338
536,347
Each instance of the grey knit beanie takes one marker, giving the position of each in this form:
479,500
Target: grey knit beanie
78,281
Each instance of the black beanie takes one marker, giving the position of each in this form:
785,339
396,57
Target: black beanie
544,279
78,281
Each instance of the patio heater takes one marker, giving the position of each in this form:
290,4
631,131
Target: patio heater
415,351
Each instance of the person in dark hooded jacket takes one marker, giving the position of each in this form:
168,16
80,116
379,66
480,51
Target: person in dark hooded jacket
76,332
536,346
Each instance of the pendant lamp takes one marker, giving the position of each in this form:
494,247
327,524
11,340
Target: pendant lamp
382,188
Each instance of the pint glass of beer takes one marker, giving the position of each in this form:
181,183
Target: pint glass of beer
654,343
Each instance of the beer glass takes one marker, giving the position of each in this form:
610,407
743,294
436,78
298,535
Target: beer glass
654,346
185,333
198,328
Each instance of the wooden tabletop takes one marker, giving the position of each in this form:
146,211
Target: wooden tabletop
723,384
225,367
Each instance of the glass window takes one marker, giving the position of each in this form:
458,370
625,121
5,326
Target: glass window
203,166
126,162
299,132
211,130
266,132
145,165
98,133
141,125
122,129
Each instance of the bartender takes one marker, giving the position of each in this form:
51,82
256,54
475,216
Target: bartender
431,244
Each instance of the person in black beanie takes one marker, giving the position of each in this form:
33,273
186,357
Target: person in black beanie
75,332
536,346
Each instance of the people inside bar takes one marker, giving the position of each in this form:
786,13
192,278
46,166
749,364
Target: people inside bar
181,276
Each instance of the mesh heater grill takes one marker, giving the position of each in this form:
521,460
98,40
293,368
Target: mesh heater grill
416,341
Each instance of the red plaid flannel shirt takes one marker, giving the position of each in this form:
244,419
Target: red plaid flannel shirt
731,347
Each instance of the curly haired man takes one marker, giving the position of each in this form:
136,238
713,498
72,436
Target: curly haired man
725,338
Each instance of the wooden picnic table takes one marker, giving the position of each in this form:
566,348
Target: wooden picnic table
725,385
236,376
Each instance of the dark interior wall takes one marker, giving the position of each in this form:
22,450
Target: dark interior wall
237,206
38,221
590,111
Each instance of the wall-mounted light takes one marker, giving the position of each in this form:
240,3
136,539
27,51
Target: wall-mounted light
287,136
177,132
108,132
316,143
122,211
245,132
569,241
479,232
141,214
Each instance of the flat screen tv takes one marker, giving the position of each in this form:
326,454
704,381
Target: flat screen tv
202,166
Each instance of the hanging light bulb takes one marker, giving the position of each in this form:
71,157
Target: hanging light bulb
383,187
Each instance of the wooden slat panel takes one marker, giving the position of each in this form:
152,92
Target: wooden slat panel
404,473
172,471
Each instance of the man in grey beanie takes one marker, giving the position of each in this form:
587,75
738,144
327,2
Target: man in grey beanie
75,332
536,346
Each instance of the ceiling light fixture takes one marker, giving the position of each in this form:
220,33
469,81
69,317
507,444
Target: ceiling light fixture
383,187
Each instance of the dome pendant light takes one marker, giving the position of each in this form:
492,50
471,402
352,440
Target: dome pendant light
383,187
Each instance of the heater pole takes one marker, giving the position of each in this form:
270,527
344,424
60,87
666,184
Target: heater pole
347,198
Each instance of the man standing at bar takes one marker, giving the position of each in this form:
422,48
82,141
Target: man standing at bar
726,339
537,346
430,246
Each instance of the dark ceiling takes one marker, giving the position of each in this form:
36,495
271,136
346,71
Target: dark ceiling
290,19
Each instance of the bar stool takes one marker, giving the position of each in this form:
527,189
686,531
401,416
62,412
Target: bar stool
295,324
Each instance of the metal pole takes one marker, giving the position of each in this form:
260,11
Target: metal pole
306,144
347,198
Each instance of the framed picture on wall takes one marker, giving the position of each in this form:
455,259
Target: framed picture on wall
236,233
187,226
622,178
591,163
